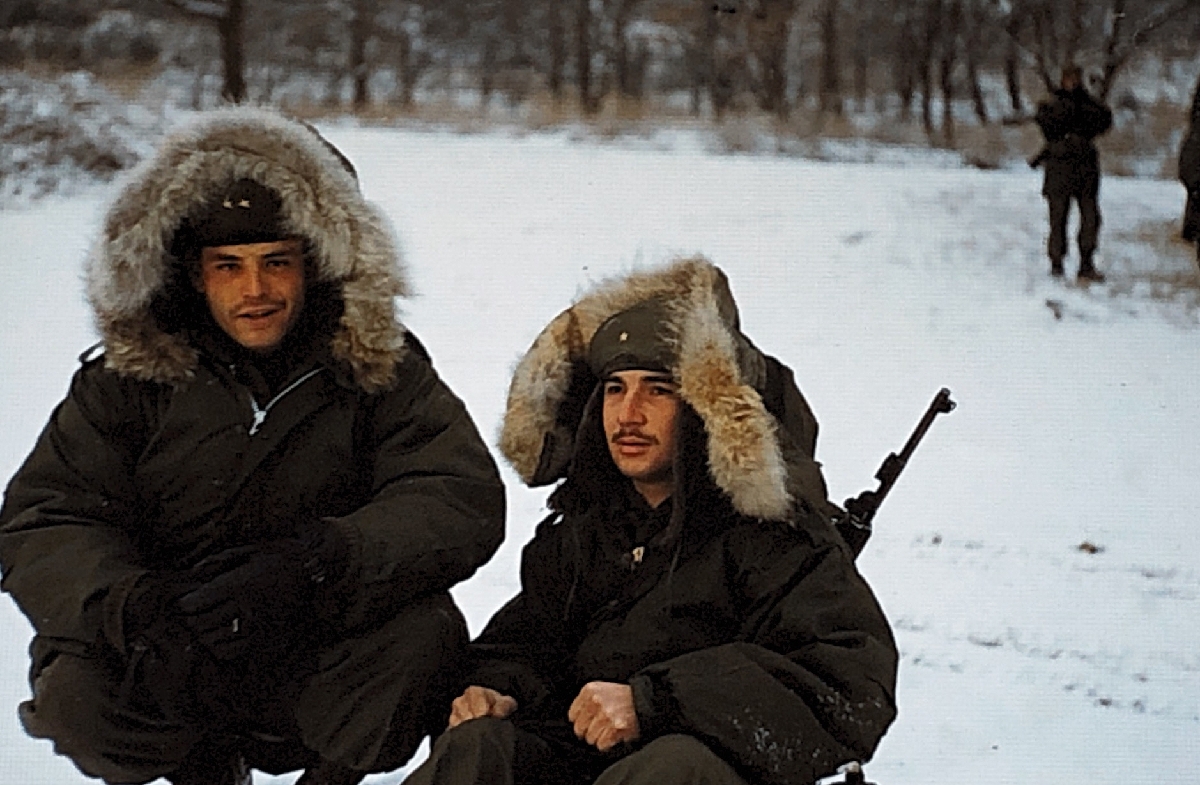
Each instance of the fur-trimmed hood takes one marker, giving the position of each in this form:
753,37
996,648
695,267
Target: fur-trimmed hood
352,242
720,374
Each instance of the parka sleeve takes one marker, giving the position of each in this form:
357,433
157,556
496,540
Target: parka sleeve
809,687
1189,159
1094,118
65,552
436,510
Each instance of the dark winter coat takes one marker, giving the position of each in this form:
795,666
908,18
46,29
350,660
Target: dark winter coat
748,626
1189,173
1070,121
156,459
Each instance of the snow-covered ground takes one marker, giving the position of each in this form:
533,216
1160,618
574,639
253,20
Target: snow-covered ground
1026,658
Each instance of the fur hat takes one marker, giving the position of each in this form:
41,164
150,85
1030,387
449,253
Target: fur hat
632,339
242,212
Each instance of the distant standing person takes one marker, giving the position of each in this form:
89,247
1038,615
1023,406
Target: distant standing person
1070,120
1189,175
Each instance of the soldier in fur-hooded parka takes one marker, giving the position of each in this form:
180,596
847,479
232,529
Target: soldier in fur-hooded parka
1189,175
755,651
176,448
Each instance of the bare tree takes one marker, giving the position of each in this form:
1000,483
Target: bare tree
929,32
977,30
947,43
831,80
556,30
1125,35
1053,33
589,102
361,23
861,50
769,26
624,60
230,19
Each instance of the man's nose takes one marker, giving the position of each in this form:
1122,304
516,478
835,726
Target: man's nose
254,282
631,409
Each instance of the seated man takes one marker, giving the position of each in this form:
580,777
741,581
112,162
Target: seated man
235,537
687,614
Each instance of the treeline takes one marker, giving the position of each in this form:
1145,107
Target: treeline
776,56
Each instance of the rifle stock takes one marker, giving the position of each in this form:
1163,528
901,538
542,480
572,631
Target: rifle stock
855,525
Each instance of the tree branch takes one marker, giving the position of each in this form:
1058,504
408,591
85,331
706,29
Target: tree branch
200,9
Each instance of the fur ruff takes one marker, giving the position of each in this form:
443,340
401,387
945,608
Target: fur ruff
353,241
713,372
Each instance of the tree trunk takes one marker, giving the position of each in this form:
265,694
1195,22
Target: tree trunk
946,72
621,50
558,49
862,54
977,99
949,41
930,34
232,29
905,81
487,72
583,55
1012,77
831,83
708,65
405,66
926,69
360,28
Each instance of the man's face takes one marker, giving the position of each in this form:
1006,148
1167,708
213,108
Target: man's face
254,291
640,410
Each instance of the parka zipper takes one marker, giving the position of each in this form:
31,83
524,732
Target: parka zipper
260,413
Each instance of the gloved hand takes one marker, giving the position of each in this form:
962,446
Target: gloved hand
152,605
162,653
261,596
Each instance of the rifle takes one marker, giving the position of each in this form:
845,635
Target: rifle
855,524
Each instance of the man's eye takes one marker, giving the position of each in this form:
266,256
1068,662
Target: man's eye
612,389
662,390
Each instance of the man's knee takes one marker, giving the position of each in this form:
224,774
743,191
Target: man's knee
375,697
479,750
76,704
675,759
477,736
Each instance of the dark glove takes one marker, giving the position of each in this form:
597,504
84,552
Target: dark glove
262,596
152,604
162,653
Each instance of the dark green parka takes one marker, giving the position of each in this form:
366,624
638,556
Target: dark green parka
156,457
1189,172
733,610
1070,121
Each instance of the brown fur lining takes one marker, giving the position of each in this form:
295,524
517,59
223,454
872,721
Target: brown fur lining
745,456
352,239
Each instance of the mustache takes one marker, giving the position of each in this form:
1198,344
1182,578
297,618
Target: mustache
632,433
